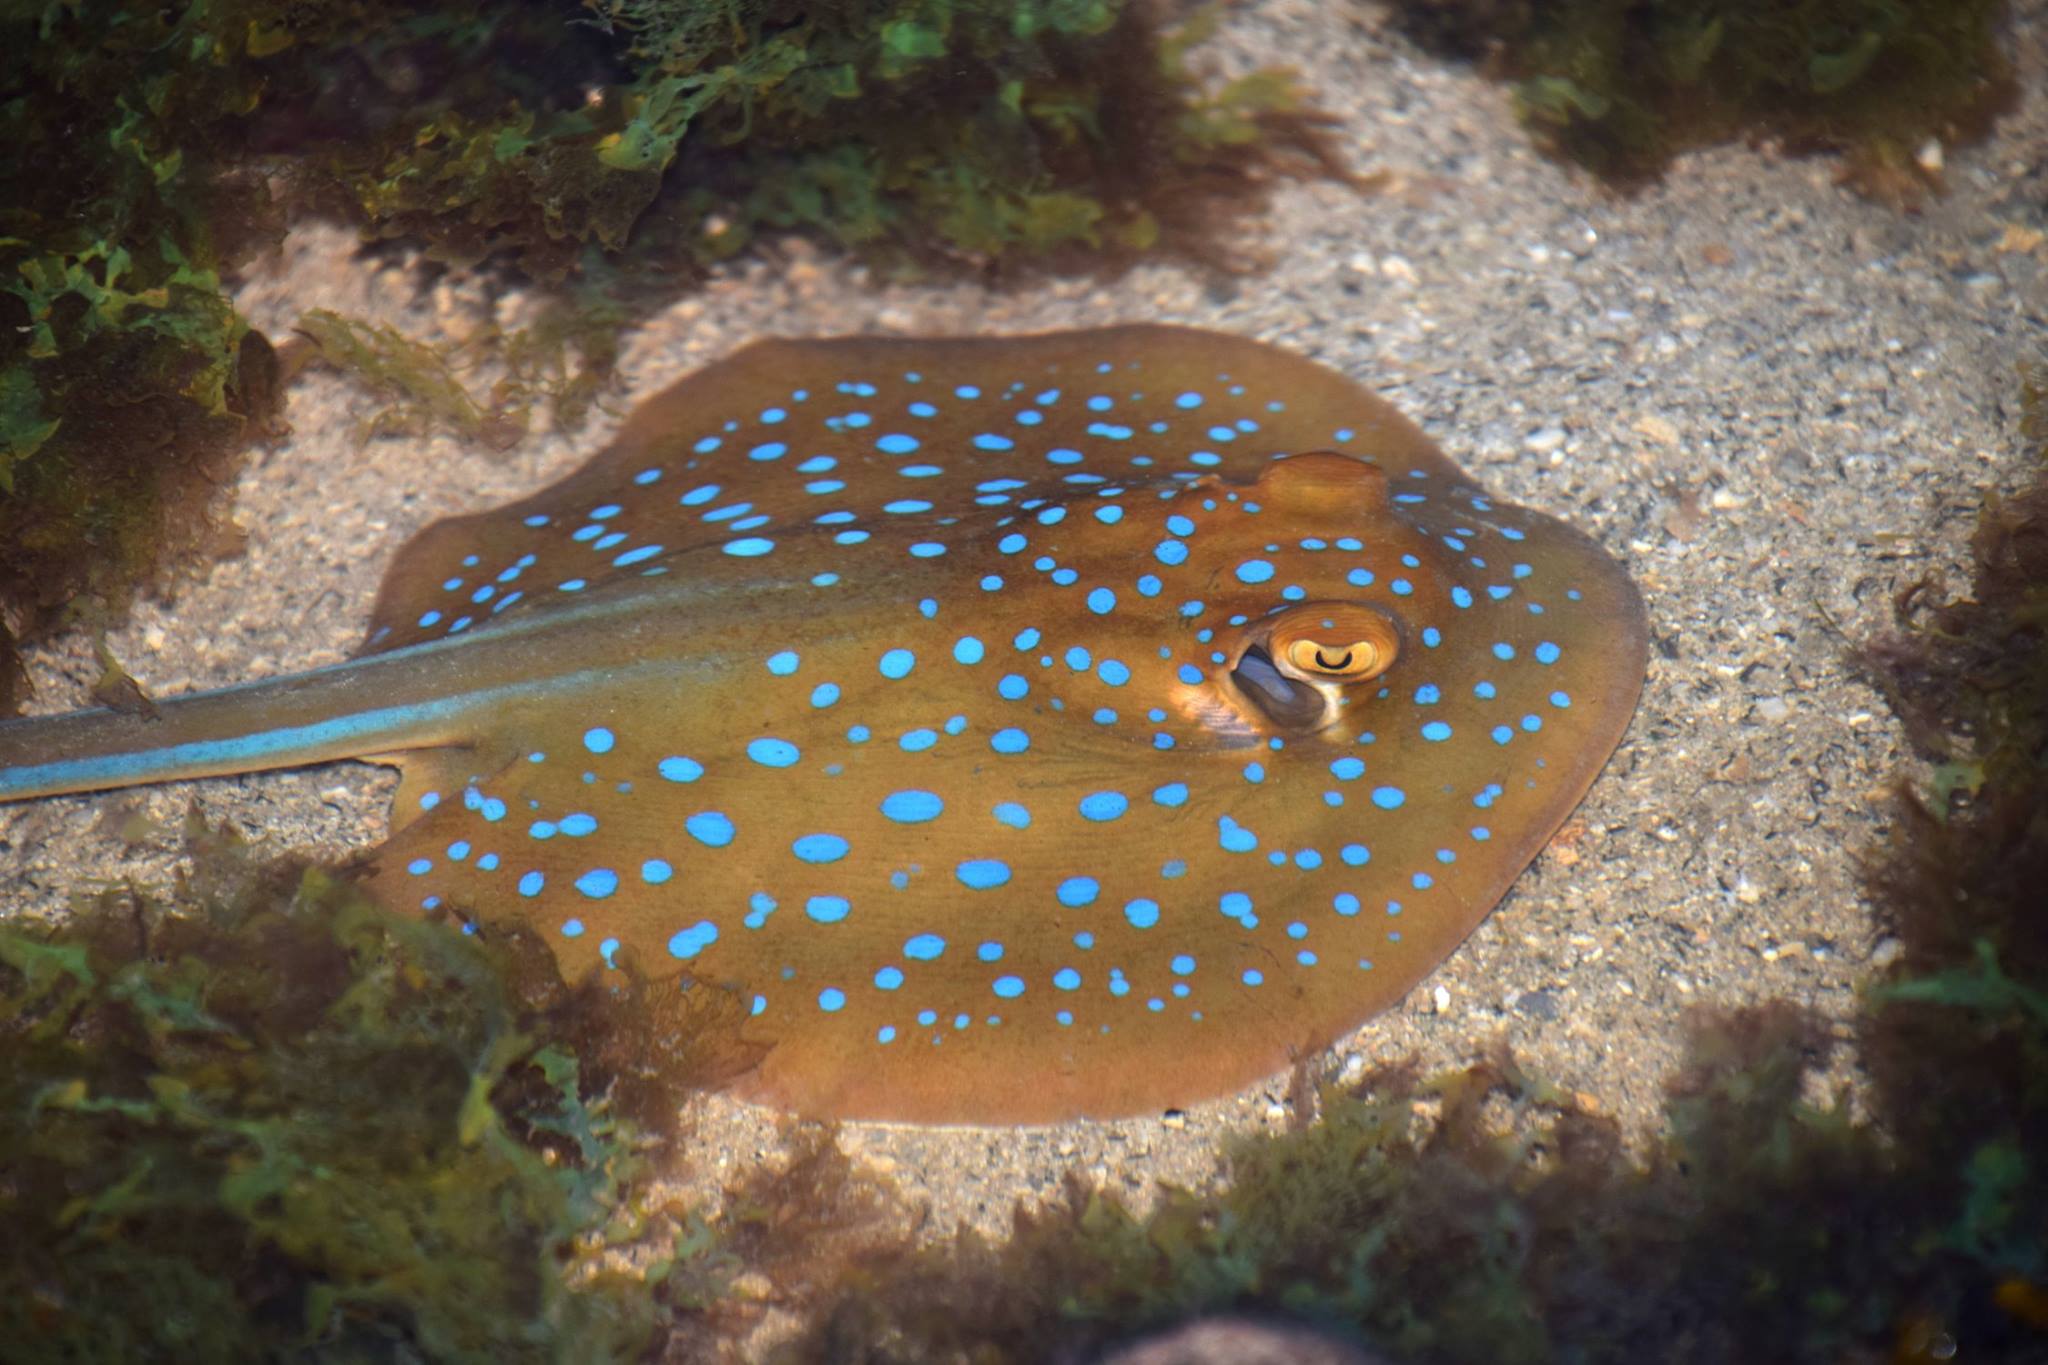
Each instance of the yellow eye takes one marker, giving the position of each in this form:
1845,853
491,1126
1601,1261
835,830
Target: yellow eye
1335,641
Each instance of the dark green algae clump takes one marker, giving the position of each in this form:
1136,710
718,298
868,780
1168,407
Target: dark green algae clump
1622,86
609,149
278,1122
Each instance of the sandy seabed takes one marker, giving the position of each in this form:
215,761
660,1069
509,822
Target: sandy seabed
1777,403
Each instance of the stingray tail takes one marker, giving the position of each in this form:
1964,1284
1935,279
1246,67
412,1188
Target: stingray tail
348,710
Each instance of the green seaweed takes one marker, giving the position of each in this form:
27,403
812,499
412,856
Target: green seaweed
1622,86
288,1123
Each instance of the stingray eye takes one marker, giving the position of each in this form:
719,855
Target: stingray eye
1335,643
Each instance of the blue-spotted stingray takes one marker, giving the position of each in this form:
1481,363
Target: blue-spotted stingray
1021,728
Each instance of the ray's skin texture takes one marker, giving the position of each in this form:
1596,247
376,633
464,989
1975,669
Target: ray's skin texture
1025,728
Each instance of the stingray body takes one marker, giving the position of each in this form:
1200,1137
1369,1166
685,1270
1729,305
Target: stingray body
1020,728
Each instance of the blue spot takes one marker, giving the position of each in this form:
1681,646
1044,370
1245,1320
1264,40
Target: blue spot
820,848
1013,815
1101,601
1254,571
681,769
1532,723
1501,734
1104,805
694,940
896,443
1560,700
578,825
917,741
1432,637
531,883
988,440
768,450
889,978
1189,400
1233,837
983,874
1067,979
1172,794
419,867
912,807
773,753
906,506
1110,515
1013,687
1427,695
831,1000
1142,913
1503,651
572,928
927,549
1436,731
1078,659
1547,653
1348,769
1388,798
968,650
711,828
1149,585
1460,597
1012,543
654,872
629,558
1308,860
827,909
749,547
824,694
1009,741
598,740
1026,638
1253,977
598,883
1114,672
1076,892
924,947
1238,906
1170,552
897,663
1008,987
1188,674
1401,587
